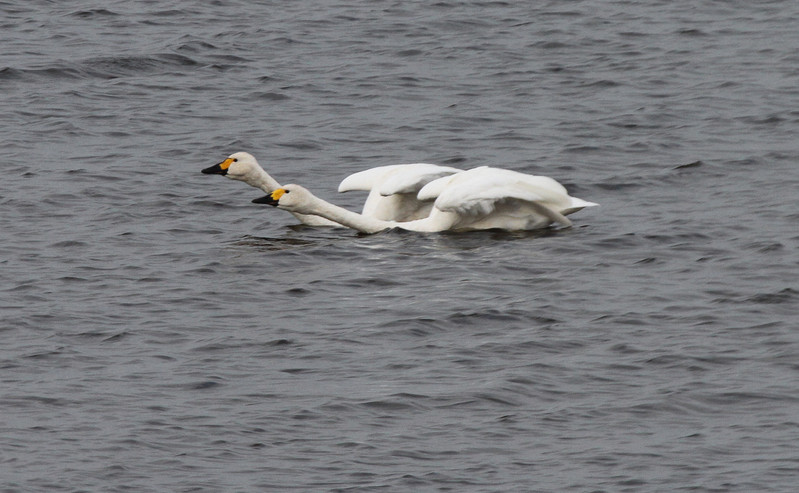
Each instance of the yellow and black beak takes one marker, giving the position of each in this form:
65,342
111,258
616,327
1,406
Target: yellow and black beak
219,169
271,199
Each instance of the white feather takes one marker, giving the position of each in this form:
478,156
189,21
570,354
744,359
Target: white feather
482,198
393,189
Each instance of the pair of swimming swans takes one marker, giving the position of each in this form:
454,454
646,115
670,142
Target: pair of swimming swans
392,189
420,197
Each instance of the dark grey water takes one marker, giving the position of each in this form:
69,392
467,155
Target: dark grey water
162,333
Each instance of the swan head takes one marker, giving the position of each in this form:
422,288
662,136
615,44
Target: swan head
238,166
292,198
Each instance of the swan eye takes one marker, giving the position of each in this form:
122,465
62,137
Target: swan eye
235,160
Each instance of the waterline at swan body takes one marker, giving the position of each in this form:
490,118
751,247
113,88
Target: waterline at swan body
393,189
242,166
481,198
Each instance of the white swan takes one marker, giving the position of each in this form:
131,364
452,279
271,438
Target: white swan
481,198
242,166
393,189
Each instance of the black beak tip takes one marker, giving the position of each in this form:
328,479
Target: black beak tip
266,199
214,170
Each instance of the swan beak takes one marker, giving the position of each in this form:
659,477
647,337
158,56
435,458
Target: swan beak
271,199
219,169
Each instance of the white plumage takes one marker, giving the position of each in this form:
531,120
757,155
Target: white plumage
243,166
481,198
392,189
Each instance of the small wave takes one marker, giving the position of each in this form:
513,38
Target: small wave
770,120
786,295
91,13
691,32
268,96
101,68
119,66
59,71
419,327
694,164
484,316
195,46
10,73
269,244
618,185
69,244
551,45
168,13
302,146
409,53
205,385
399,402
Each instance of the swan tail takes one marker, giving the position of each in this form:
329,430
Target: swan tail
576,205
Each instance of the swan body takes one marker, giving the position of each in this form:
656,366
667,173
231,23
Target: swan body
393,189
481,198
243,166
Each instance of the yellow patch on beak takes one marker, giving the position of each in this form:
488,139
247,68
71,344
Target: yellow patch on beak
278,193
226,163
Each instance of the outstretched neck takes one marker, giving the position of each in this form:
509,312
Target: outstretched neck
348,218
266,182
261,179
437,221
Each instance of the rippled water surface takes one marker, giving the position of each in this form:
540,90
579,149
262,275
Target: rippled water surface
162,333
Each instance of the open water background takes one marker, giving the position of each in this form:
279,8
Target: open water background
162,333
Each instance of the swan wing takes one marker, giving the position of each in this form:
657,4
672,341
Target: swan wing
509,206
476,189
497,198
463,181
434,188
477,198
366,179
393,188
410,178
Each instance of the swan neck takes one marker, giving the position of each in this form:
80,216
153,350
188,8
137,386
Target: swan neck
264,181
348,218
